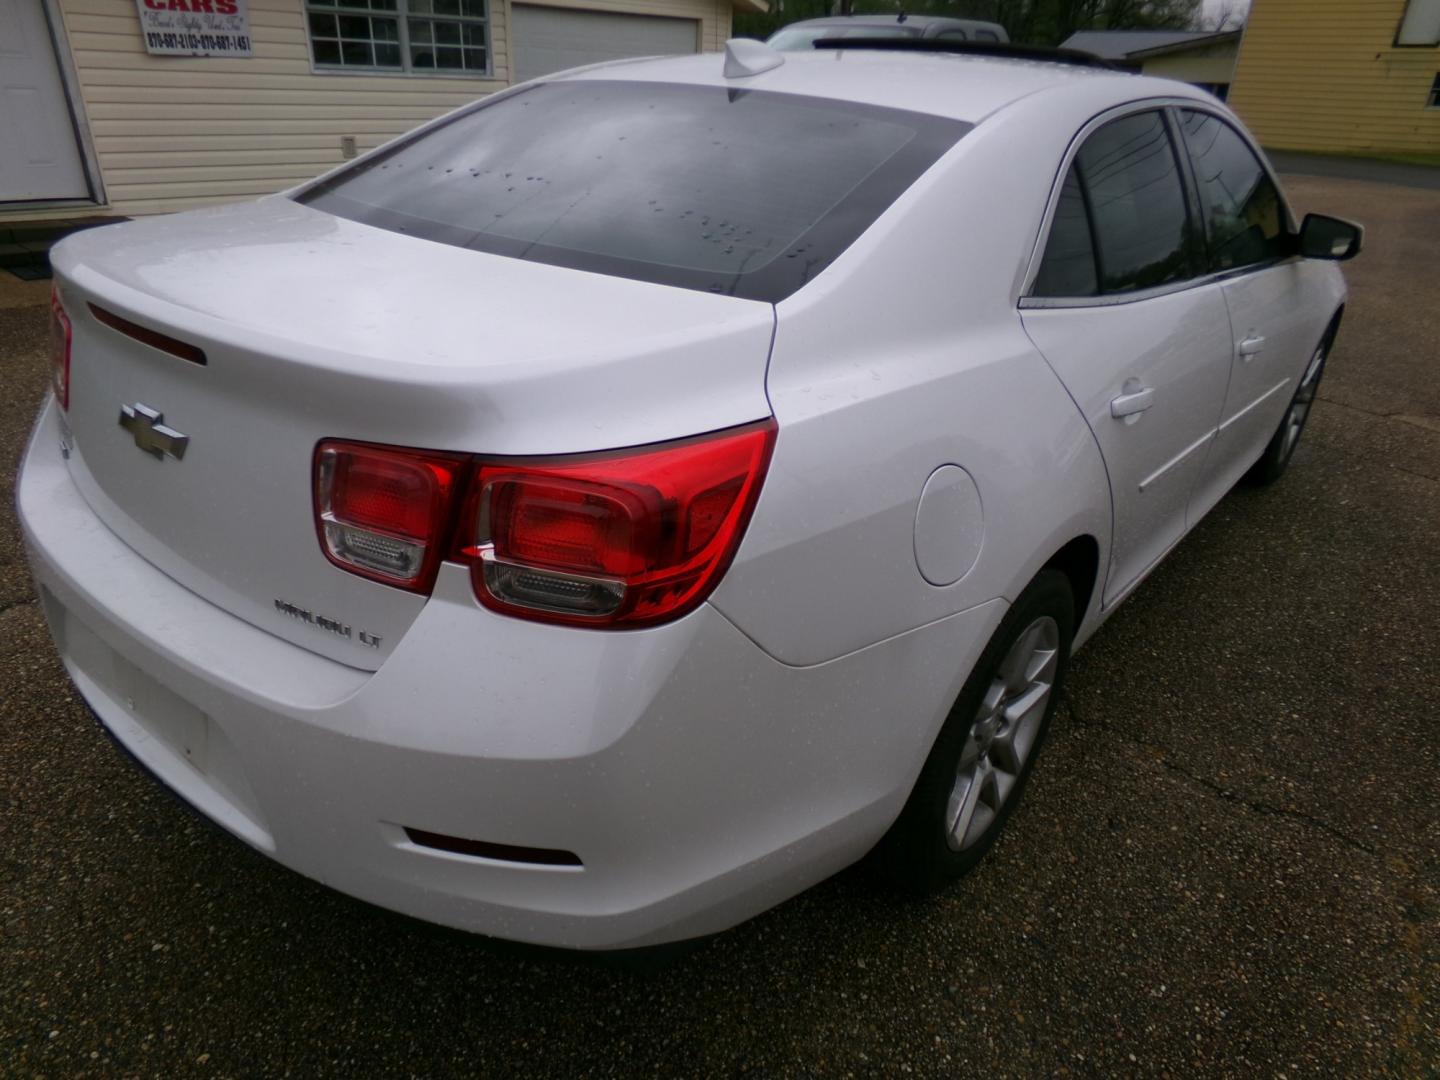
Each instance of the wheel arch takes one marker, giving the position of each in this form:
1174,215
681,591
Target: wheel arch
1079,561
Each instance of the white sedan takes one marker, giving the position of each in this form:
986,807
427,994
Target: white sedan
621,503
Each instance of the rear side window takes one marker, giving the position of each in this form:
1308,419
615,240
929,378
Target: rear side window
741,192
1244,218
1068,268
1127,177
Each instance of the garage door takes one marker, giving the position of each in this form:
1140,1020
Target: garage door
545,39
38,155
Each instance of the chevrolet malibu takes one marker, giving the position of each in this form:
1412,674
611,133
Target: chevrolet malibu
619,504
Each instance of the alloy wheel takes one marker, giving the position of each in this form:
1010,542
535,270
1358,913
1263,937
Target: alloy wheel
1300,404
1003,734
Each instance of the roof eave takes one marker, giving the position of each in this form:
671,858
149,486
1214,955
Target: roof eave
1185,46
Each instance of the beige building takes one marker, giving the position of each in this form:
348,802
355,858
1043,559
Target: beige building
1200,57
102,113
1340,76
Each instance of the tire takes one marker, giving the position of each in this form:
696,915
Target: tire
1281,448
979,764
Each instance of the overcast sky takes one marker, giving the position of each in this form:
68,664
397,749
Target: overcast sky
1213,7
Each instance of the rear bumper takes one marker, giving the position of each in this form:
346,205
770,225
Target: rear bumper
698,780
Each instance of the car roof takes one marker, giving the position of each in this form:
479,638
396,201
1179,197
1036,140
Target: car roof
957,86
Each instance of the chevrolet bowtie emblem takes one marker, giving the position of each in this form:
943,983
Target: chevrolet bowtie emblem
150,434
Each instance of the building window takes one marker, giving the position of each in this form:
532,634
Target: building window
450,36
1434,102
1420,24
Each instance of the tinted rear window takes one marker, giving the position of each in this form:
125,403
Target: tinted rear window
741,192
1068,268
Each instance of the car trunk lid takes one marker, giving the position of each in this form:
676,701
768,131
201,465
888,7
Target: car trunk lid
312,327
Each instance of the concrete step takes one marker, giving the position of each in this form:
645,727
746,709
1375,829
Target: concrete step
25,246
12,254
48,231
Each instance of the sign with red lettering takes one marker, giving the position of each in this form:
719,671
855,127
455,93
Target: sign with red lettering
195,27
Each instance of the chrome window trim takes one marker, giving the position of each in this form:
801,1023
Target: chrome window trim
1164,105
1112,299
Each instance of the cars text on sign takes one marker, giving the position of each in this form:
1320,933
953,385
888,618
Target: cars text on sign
195,27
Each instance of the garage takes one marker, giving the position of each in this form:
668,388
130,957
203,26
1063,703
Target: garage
104,106
548,39
41,159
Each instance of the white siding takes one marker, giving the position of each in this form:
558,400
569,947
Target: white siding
1215,64
175,132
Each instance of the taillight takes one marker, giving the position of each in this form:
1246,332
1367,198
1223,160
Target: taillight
623,538
59,350
384,513
620,539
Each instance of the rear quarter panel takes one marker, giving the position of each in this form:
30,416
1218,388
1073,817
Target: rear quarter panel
905,355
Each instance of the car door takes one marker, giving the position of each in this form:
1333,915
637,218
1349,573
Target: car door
1273,325
1141,345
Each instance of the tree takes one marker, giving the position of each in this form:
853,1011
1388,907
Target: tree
1228,15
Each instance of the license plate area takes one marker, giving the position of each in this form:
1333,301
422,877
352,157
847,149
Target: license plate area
163,714
182,745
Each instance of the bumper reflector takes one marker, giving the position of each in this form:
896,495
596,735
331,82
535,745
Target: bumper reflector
481,849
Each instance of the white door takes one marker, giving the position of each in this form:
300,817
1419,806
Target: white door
1142,348
39,157
1275,327
545,39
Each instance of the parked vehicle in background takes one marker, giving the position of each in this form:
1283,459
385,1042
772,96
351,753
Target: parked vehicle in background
804,34
624,502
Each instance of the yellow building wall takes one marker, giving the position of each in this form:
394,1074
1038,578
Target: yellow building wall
1324,75
171,133
1213,65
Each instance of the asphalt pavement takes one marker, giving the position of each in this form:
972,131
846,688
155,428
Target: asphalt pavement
1226,863
1403,173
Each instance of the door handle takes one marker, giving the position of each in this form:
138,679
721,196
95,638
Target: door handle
1132,402
1250,346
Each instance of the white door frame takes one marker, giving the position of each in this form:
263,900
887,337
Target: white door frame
80,124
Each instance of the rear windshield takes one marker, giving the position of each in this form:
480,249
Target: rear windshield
741,192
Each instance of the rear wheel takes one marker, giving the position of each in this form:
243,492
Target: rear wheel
1276,458
988,745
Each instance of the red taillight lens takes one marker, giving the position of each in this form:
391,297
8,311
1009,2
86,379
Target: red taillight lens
627,538
385,513
59,350
621,539
544,521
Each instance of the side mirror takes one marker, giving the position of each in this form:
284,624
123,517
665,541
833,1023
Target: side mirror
1323,237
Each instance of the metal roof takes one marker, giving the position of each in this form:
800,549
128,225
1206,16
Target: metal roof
1120,44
